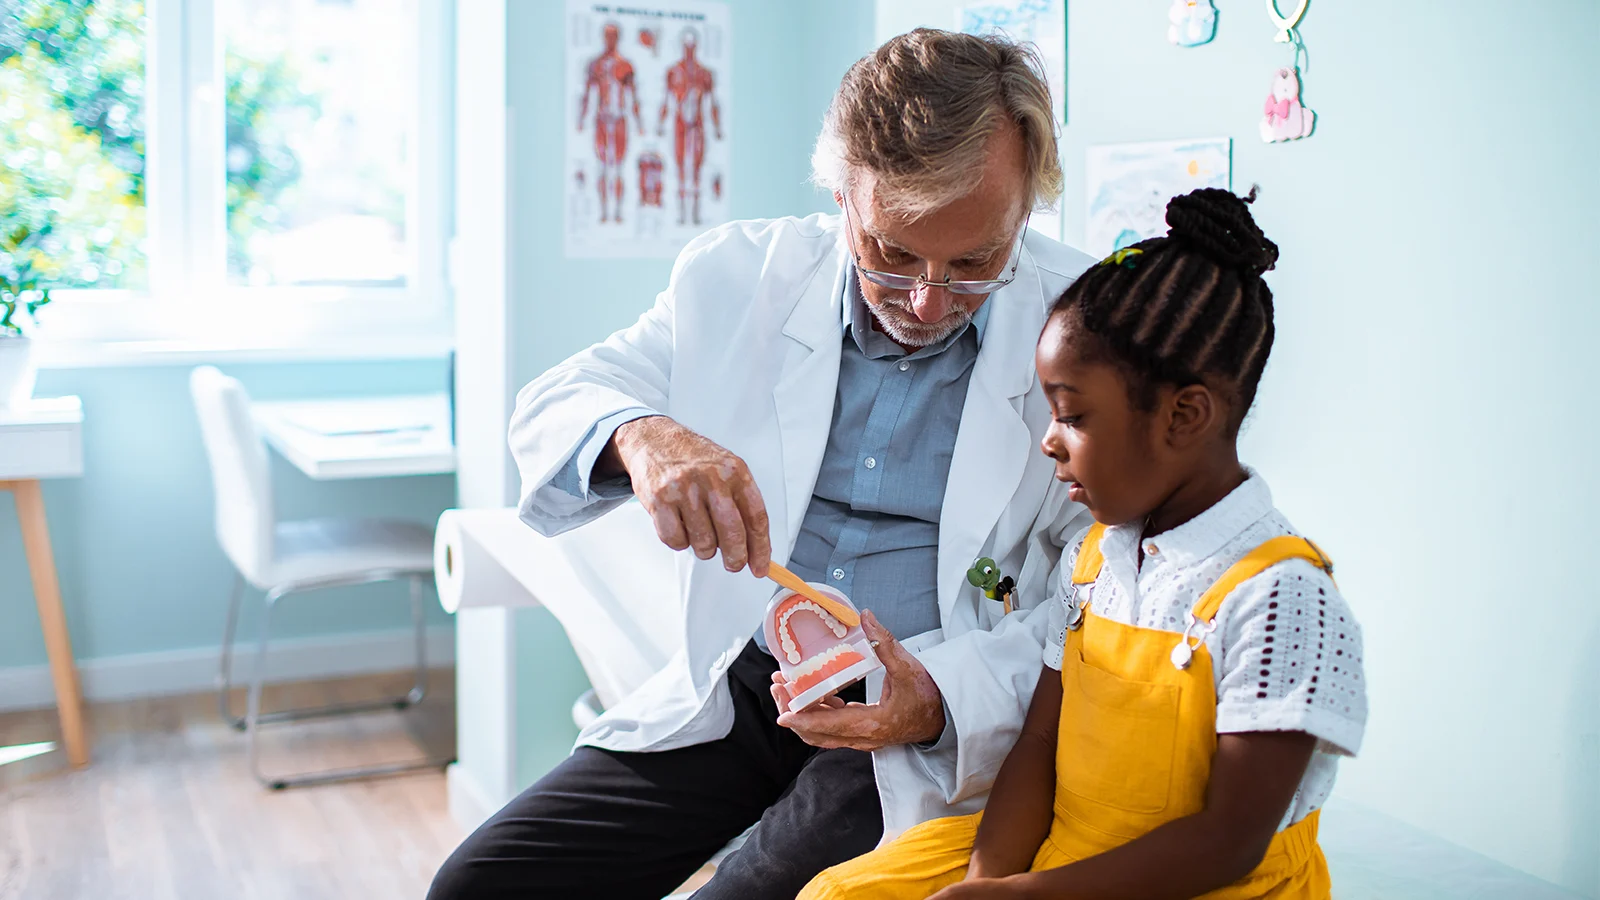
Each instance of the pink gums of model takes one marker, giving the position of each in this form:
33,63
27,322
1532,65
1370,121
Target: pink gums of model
817,654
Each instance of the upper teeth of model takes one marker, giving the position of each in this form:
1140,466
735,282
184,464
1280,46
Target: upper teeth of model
790,650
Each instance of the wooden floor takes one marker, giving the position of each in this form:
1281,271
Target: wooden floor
167,807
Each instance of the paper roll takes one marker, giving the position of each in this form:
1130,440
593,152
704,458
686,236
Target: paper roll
611,584
466,571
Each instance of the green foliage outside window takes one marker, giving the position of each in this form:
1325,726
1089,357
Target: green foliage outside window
72,146
265,103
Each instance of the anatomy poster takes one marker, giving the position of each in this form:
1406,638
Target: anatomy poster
1044,24
647,126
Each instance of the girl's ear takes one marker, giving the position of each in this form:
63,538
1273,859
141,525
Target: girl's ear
1193,413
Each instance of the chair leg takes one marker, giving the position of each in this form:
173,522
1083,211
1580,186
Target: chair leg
254,718
225,684
419,625
258,678
225,672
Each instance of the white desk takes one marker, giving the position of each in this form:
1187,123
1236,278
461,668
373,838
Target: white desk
45,440
361,437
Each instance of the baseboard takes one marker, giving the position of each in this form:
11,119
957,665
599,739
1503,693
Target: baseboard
469,803
188,671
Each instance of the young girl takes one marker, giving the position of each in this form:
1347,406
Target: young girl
1203,672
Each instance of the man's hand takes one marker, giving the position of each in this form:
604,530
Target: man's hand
910,709
698,494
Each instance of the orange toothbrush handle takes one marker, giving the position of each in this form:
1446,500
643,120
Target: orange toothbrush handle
794,583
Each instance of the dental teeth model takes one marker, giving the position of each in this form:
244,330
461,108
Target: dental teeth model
817,653
792,652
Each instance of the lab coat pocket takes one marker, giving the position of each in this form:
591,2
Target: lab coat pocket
1116,741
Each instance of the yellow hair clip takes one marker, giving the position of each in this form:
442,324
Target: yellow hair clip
1123,258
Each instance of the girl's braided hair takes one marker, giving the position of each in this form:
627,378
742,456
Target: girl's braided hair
1187,308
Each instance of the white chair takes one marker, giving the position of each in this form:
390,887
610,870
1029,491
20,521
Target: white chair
282,558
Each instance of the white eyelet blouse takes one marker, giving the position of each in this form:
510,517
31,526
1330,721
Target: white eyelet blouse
1286,651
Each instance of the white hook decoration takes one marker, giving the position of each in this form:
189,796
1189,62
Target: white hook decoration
1284,117
1286,25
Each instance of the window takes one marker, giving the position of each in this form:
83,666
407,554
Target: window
228,171
317,153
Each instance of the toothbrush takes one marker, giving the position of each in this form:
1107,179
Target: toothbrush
794,583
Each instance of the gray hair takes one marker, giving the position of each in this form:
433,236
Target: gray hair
918,112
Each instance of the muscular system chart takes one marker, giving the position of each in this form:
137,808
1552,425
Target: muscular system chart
647,141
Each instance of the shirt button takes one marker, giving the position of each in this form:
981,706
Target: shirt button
904,365
838,574
872,463
1151,549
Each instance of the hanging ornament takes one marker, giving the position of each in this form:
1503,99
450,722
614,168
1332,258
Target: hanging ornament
1194,22
1284,117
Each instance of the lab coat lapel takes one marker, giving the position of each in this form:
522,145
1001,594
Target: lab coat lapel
992,446
804,395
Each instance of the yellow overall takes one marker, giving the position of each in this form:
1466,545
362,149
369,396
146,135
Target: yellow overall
1133,752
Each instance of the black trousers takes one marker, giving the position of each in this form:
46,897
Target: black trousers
634,826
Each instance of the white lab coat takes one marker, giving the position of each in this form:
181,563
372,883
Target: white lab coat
743,347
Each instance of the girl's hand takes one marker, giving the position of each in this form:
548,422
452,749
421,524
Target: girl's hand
983,889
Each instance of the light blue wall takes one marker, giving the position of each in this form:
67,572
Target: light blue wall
1426,412
139,563
788,58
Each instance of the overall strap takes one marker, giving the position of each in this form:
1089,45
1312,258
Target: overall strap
1269,554
1090,559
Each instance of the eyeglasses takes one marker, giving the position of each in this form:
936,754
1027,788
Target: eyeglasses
896,282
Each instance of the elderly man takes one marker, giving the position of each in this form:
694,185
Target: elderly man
853,395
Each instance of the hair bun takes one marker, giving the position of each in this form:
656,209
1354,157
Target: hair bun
1218,224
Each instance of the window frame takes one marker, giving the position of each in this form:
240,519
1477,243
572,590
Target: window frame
188,301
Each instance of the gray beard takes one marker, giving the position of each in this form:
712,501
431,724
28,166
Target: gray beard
904,328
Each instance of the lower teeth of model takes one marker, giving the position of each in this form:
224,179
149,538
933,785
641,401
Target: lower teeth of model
821,659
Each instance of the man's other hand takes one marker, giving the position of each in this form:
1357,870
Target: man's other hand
910,709
698,494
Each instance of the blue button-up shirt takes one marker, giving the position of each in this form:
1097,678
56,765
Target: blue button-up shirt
872,527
